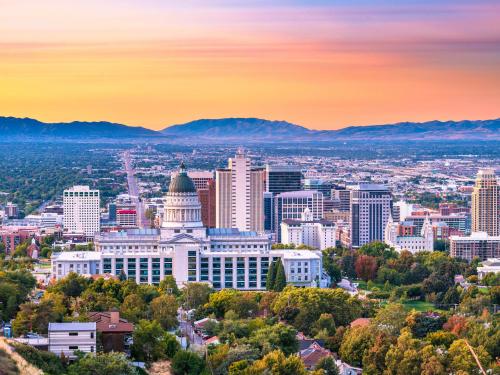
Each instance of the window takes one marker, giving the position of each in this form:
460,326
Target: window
73,333
91,335
73,347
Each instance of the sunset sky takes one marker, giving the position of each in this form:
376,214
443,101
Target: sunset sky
321,64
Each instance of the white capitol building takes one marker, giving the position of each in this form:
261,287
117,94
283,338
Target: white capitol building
185,249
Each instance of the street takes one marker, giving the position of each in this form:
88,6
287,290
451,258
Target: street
133,191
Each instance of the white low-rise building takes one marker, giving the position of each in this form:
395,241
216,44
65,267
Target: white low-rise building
414,244
185,249
81,262
491,265
70,337
319,234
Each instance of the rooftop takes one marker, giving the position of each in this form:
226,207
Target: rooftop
77,255
72,326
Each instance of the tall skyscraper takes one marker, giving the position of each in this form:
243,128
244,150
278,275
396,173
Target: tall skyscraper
485,203
282,178
239,195
371,207
81,210
291,205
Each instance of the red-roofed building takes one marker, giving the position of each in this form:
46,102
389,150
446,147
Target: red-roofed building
113,329
313,354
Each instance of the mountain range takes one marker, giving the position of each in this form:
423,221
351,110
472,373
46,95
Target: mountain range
246,130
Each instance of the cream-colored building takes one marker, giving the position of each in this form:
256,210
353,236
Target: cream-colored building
81,207
485,203
239,195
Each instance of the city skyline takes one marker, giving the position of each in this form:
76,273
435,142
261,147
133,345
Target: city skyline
317,64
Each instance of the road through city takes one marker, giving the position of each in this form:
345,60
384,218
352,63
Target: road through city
133,191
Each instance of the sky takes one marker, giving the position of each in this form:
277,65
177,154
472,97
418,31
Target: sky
321,64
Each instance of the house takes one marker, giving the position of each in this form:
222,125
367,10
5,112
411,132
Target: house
199,325
70,337
214,340
305,342
313,354
114,331
346,369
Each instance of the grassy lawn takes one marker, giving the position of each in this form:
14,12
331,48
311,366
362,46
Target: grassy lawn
363,285
420,306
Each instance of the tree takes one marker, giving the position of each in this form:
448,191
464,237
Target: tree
390,319
328,365
423,323
277,364
172,346
103,363
34,317
347,265
355,343
278,336
325,323
195,295
366,267
302,306
462,360
403,358
169,285
271,276
378,249
72,285
150,341
187,363
280,281
374,357
164,310
133,308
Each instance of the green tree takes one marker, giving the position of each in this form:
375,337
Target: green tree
133,308
280,281
328,365
195,295
34,317
187,363
150,341
276,363
278,336
164,310
462,360
390,319
103,363
355,344
169,285
403,358
271,276
325,324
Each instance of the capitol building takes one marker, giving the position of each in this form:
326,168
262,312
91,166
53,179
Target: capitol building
185,249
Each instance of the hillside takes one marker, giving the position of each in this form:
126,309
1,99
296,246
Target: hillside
22,128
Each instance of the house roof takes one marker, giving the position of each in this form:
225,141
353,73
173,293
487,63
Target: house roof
103,323
360,322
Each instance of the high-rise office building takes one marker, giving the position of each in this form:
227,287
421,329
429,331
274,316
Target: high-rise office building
324,187
239,195
291,205
371,207
81,210
282,178
485,203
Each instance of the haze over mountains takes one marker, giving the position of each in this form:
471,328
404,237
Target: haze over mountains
246,130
